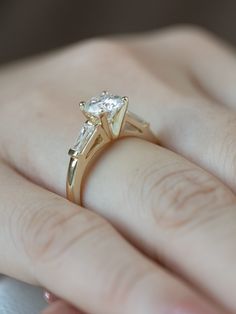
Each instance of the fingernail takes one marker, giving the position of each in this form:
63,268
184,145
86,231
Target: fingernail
49,297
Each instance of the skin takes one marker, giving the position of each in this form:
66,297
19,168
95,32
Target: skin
61,307
157,231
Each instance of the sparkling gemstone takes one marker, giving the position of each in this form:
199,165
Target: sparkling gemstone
105,102
85,133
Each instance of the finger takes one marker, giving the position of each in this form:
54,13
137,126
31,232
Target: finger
196,199
187,122
47,161
152,238
60,307
56,305
191,126
211,63
171,209
156,51
78,256
190,59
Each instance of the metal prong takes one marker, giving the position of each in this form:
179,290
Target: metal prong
104,121
125,99
103,116
126,102
104,93
81,105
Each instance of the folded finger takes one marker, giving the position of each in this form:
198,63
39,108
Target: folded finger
210,61
51,123
190,125
188,57
46,240
199,73
172,209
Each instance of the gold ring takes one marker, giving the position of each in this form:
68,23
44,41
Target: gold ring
108,119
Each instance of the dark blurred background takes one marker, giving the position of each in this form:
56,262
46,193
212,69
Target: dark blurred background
28,27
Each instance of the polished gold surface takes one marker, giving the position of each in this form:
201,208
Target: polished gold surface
123,124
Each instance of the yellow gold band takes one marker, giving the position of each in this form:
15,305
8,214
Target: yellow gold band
97,133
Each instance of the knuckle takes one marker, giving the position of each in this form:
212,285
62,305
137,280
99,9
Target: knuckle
124,282
183,198
193,31
102,50
47,234
188,33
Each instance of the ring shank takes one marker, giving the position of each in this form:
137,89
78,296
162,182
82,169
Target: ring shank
79,163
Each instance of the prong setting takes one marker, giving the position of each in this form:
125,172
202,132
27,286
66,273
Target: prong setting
108,119
125,99
104,103
81,105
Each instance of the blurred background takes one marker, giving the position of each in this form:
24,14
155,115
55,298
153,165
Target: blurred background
28,27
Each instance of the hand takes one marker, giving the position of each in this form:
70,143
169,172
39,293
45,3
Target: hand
158,230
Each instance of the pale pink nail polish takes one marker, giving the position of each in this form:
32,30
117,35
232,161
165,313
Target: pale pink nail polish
49,297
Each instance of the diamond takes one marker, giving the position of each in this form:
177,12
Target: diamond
84,135
104,103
